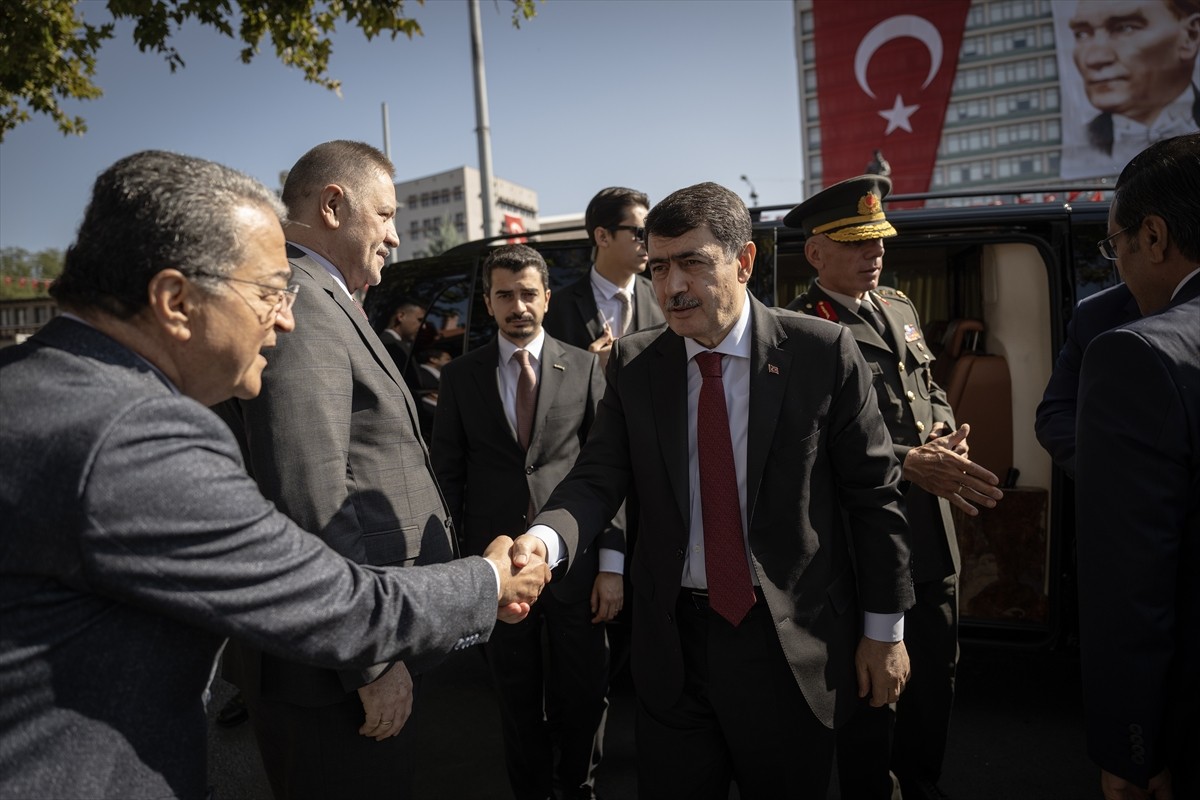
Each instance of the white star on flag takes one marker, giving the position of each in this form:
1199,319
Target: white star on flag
897,116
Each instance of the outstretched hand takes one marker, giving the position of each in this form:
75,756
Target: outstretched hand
523,574
941,467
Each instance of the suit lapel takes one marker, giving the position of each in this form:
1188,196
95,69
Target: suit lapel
553,372
770,368
487,384
668,402
893,321
860,329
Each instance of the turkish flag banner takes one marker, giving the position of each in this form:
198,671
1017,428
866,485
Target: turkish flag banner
884,74
513,224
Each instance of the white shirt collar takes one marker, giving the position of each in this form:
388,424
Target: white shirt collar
735,343
330,268
607,288
507,348
1186,278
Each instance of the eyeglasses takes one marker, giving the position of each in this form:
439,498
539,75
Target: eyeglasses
639,233
1107,248
281,298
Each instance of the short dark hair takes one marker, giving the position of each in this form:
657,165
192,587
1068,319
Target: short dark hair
607,209
152,211
1183,8
340,161
514,258
1164,181
705,205
428,354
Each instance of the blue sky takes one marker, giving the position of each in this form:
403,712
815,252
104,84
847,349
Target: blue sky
654,94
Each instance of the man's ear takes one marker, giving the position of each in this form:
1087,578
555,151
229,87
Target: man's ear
603,236
173,301
333,205
812,251
1157,238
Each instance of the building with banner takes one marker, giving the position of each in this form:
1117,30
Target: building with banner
973,95
454,199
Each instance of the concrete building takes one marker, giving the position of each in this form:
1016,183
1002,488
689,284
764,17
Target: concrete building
1003,125
452,201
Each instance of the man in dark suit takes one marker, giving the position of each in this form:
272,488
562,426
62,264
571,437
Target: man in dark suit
1137,489
498,453
1055,421
845,226
333,440
612,300
1137,59
133,541
770,519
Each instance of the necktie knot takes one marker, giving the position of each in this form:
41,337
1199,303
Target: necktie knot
522,357
709,364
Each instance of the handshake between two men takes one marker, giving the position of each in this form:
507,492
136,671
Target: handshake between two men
523,574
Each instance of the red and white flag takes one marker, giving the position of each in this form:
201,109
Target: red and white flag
884,75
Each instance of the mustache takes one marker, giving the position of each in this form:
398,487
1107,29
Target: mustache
681,302
519,318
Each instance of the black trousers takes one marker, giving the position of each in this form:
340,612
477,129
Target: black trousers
741,718
317,753
909,739
569,680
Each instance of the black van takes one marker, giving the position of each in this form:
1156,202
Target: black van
995,286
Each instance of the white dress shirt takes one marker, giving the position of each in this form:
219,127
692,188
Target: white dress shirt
605,293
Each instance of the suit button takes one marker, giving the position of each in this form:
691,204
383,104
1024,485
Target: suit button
901,367
679,553
910,395
530,470
920,426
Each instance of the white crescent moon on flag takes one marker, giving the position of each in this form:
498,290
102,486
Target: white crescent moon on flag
898,27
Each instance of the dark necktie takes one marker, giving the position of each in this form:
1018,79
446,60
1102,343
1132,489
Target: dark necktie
730,590
526,398
875,320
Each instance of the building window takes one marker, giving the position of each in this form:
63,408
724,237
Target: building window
975,17
967,109
1015,72
814,136
809,51
424,199
973,47
967,141
806,22
815,167
810,80
1019,166
1008,41
967,79
1012,9
458,194
1018,103
412,201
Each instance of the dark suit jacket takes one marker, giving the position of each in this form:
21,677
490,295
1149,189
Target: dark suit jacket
1055,422
132,544
1100,128
573,317
816,446
897,377
1137,502
332,440
488,481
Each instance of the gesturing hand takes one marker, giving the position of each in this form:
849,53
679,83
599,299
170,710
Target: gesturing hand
941,467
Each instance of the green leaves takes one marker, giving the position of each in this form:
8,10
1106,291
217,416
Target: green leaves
48,53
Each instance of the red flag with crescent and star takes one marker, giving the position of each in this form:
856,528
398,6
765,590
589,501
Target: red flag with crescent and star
884,75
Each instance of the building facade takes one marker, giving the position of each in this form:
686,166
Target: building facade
453,201
1003,123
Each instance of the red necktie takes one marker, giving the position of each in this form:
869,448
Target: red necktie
526,398
730,590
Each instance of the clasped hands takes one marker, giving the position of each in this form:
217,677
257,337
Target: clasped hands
941,467
523,574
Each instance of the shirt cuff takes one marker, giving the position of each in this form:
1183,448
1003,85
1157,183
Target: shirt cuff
883,627
612,561
554,543
496,572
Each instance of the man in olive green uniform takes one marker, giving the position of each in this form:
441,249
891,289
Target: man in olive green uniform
845,228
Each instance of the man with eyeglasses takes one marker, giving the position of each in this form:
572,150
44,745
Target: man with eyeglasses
1137,476
845,226
612,300
133,542
334,440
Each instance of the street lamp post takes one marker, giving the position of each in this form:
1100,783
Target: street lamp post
753,194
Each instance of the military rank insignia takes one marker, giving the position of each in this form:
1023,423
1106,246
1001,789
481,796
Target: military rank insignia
911,334
826,311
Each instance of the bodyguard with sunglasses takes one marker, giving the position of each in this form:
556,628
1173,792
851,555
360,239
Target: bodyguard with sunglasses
612,299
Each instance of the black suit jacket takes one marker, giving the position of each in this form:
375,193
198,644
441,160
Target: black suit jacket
573,317
1055,421
1137,502
818,453
911,404
488,480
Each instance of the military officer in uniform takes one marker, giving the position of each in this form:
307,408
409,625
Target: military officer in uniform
845,227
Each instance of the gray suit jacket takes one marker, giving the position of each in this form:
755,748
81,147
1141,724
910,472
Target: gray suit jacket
1137,501
333,440
132,543
488,480
816,446
573,317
